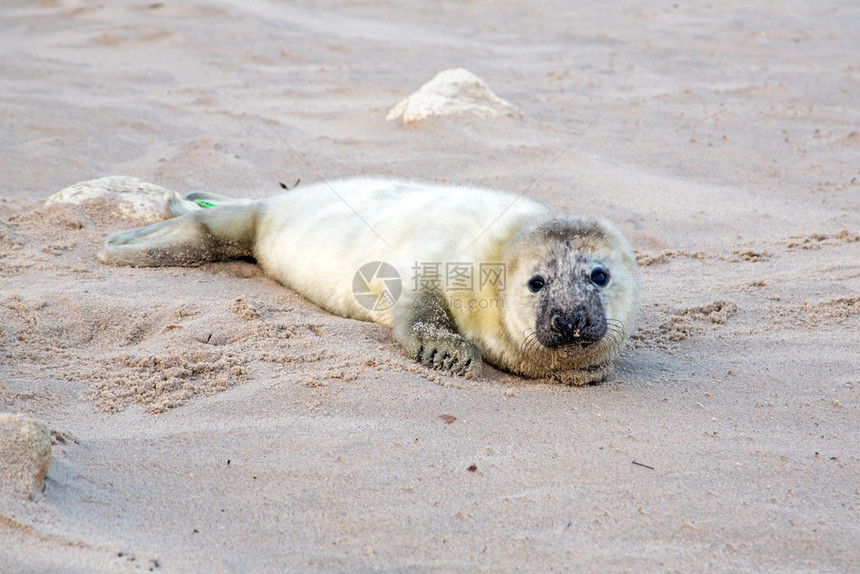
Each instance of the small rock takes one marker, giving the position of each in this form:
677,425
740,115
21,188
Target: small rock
130,196
451,92
25,454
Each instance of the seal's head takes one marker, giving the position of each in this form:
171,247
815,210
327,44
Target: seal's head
571,298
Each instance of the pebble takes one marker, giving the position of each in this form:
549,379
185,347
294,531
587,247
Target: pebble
25,454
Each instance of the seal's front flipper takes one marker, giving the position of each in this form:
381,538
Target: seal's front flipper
427,333
219,232
446,351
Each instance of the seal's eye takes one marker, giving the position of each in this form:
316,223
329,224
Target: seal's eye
536,283
600,276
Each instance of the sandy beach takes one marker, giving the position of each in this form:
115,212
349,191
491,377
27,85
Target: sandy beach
210,420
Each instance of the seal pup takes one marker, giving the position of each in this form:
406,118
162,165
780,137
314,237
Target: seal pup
460,274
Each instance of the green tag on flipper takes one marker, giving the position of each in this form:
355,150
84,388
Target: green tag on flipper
203,203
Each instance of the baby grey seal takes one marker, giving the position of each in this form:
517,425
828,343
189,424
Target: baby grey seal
460,274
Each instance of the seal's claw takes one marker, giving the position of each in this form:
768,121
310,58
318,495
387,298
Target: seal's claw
455,355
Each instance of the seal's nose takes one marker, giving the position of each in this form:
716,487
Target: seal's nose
569,325
566,326
580,324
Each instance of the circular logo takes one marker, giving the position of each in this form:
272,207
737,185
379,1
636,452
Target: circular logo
376,286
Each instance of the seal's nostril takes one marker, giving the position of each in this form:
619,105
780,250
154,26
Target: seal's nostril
561,325
569,326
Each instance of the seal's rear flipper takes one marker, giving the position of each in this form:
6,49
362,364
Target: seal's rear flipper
200,235
176,205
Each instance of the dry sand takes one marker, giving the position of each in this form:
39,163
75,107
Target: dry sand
218,422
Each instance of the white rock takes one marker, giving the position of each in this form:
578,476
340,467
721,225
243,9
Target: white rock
25,454
130,196
451,92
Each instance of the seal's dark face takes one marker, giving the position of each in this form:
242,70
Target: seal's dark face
570,297
570,308
571,291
